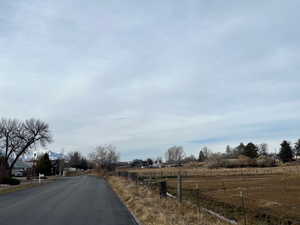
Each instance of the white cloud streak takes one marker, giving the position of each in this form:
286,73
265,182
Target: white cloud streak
148,75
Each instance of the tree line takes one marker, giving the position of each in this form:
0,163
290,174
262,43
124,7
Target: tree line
287,152
44,165
18,138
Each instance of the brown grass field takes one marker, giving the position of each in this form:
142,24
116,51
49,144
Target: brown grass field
257,195
150,209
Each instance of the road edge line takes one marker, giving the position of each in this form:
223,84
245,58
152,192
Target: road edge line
134,218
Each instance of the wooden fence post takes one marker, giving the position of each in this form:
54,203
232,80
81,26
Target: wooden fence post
244,208
198,202
163,189
179,187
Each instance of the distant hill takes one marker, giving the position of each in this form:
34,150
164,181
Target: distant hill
55,155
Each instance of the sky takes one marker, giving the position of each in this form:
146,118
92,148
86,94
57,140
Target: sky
147,75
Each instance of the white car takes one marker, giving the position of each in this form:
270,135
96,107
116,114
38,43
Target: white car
18,174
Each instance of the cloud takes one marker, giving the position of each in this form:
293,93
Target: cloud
148,75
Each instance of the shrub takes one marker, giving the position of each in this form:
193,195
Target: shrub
242,161
11,181
215,161
232,163
246,161
265,161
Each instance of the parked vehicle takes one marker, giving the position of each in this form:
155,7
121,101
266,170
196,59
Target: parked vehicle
18,173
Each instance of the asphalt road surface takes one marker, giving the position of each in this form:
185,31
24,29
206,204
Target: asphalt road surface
80,200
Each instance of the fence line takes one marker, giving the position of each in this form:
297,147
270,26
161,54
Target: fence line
219,172
159,181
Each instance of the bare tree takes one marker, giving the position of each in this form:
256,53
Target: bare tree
159,160
189,159
263,149
175,154
105,157
18,138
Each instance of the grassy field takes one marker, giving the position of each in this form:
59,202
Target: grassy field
262,195
258,195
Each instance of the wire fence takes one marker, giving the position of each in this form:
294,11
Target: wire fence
243,203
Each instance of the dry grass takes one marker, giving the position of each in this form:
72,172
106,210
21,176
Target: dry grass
150,209
5,190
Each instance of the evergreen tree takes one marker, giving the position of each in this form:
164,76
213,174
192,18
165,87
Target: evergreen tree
149,162
44,165
251,150
75,160
286,152
83,164
228,151
240,149
201,156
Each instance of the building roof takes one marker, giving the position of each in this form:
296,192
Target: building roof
22,164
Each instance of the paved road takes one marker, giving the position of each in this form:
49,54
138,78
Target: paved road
71,201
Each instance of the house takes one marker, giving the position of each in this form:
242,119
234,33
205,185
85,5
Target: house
20,168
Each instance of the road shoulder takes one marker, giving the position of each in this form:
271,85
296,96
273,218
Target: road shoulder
5,189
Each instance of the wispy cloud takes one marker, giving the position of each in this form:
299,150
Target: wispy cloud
145,75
